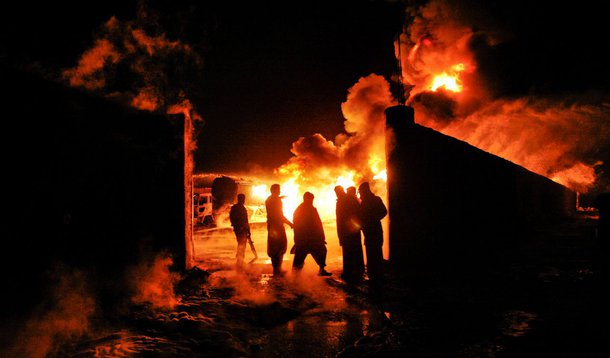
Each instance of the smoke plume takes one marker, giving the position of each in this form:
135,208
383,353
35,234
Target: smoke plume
448,53
141,67
319,159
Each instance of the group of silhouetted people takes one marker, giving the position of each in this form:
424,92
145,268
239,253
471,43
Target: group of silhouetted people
364,215
354,215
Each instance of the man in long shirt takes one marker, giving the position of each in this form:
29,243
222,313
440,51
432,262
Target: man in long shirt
372,210
348,231
309,236
239,220
276,233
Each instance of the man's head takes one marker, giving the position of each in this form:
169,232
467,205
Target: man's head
241,198
308,198
364,189
275,189
339,191
351,191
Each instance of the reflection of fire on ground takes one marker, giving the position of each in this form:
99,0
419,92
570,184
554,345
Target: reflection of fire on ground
218,245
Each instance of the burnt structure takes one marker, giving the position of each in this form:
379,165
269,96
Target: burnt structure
91,185
453,206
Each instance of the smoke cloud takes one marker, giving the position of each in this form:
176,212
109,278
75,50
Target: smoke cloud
563,136
135,62
319,159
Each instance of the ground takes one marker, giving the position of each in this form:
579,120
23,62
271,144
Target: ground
546,303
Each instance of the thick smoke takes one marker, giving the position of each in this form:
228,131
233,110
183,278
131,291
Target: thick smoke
135,62
562,137
319,159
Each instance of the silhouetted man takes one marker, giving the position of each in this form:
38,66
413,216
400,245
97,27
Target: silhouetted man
309,236
239,220
276,234
348,231
372,210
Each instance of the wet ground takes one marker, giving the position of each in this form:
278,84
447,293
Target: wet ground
547,303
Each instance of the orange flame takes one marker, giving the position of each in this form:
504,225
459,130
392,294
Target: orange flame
449,80
554,138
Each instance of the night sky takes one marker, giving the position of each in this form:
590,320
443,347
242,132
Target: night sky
273,72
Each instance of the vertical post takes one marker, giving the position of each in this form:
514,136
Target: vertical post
188,191
399,123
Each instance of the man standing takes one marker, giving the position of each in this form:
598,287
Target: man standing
348,231
276,234
239,220
309,236
372,210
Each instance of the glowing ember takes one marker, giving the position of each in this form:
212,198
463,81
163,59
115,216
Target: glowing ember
449,80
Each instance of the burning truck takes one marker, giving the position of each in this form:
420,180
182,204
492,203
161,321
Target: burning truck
213,195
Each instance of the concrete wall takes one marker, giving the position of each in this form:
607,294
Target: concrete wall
89,184
452,204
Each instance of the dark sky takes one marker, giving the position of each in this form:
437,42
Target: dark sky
274,71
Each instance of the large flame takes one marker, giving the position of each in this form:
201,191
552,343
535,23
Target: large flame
560,139
293,185
449,80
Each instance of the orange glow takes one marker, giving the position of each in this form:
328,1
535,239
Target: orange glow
293,186
346,180
146,100
377,166
260,192
89,71
153,283
449,80
579,176
559,139
382,175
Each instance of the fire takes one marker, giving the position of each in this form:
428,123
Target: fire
291,196
346,180
554,137
377,166
260,191
579,176
382,175
293,188
449,80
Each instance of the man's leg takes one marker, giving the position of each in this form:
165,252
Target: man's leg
241,251
374,264
299,258
319,255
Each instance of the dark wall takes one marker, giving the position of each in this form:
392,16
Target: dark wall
89,184
453,205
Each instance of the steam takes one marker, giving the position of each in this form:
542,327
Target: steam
65,316
153,283
243,289
564,139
